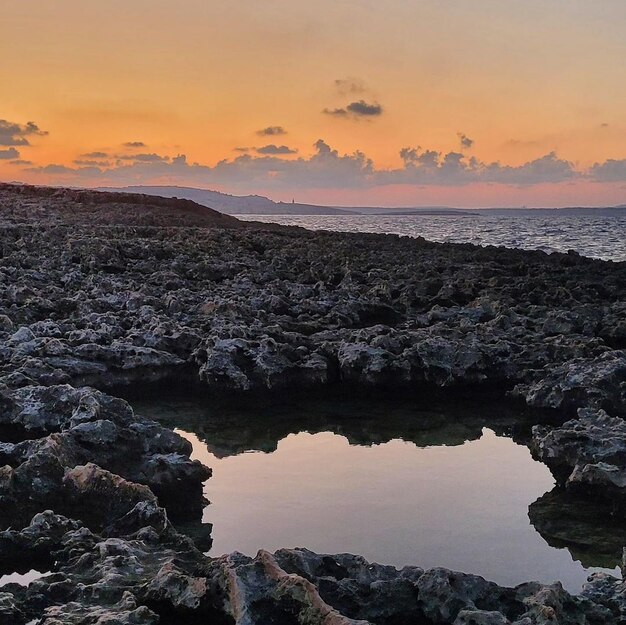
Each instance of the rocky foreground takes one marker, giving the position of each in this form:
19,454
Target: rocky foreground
99,291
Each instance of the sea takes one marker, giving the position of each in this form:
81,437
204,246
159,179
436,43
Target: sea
595,237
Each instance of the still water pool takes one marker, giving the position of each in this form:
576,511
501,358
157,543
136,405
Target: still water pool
403,485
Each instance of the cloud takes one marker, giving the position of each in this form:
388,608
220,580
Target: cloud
275,149
54,168
326,168
21,161
466,142
272,131
612,170
242,149
6,155
348,86
454,168
356,110
91,163
95,155
134,144
12,134
144,158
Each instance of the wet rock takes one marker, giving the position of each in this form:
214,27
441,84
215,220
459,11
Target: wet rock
587,455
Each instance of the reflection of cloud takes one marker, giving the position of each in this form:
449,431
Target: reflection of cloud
326,168
272,131
12,134
6,155
356,110
276,149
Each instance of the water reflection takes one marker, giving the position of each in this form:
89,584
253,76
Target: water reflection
593,537
23,579
398,485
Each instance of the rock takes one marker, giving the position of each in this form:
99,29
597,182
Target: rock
587,455
597,383
78,427
104,290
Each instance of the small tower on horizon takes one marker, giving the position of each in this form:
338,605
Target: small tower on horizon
293,200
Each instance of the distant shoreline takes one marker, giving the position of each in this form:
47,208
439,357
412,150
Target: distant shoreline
260,205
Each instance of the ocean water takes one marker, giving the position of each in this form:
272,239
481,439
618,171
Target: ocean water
595,237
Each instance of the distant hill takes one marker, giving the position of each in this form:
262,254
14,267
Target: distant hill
21,203
260,205
232,204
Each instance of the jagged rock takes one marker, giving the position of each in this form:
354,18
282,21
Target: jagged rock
599,383
587,455
298,586
248,307
84,426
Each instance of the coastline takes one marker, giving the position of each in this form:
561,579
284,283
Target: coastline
138,297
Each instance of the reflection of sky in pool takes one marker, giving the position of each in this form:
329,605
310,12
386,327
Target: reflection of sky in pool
23,579
464,507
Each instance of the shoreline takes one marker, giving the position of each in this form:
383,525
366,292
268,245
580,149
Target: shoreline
248,311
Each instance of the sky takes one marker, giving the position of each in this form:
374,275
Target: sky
345,102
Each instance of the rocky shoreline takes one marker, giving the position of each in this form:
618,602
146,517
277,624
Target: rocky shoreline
103,290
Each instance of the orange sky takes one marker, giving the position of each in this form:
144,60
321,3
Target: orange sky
519,79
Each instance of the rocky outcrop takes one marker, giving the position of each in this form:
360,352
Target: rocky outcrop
598,382
244,308
74,446
298,586
587,455
106,290
24,203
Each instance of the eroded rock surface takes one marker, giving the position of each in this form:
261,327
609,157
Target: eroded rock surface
79,449
242,308
102,290
587,455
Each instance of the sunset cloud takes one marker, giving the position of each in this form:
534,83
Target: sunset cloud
144,157
9,154
272,131
611,170
276,149
134,144
327,168
12,134
347,86
356,110
466,142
